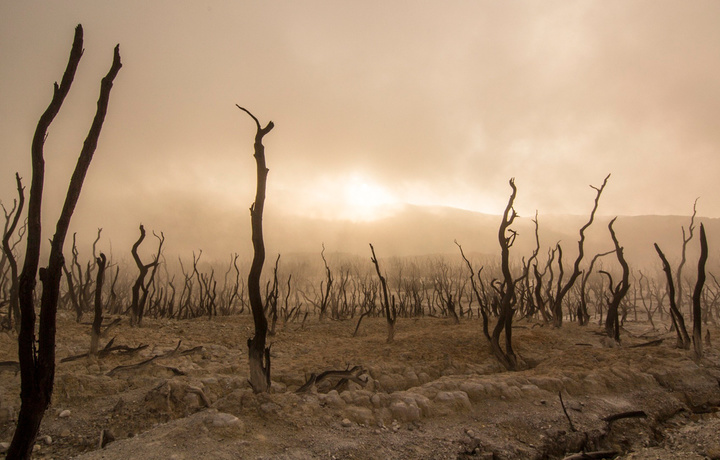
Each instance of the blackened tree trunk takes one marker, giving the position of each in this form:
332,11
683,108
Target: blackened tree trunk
97,320
14,307
258,354
390,314
697,309
678,320
612,324
506,237
138,300
564,289
37,360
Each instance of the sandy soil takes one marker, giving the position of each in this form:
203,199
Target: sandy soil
435,393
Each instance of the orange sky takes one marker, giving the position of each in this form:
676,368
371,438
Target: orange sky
375,103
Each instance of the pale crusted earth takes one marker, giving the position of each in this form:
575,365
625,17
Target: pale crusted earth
435,393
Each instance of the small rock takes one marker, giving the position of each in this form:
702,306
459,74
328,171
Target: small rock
224,419
4,446
36,447
46,439
269,408
65,414
65,433
470,433
346,423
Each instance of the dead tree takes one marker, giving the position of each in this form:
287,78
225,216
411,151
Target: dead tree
683,338
564,289
37,359
13,305
137,306
97,320
612,324
325,298
582,313
258,354
390,316
481,299
697,310
508,299
686,238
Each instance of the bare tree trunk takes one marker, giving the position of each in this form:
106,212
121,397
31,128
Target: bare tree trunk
506,357
258,355
37,361
14,307
686,238
390,316
97,320
683,339
697,309
612,325
562,291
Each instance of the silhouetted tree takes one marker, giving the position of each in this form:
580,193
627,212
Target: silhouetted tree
258,354
564,289
508,298
37,359
683,338
13,304
137,306
97,319
697,310
390,314
612,324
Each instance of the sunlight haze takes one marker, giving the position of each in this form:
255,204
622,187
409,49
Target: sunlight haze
376,105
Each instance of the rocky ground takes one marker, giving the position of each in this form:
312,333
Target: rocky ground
435,393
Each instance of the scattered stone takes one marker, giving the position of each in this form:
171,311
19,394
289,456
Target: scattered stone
346,423
46,439
269,408
4,446
65,433
223,419
65,414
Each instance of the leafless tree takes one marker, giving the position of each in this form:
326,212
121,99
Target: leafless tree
97,320
13,304
612,323
697,308
507,294
683,338
390,313
259,355
686,238
37,360
137,306
564,289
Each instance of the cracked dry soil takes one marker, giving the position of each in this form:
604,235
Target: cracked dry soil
435,393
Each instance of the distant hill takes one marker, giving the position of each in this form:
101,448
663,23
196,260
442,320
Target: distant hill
422,230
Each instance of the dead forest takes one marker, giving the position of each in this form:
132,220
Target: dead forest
676,303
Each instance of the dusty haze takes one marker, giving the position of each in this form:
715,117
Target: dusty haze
376,104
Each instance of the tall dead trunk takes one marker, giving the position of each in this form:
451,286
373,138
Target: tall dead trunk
37,360
97,320
683,338
612,325
258,354
506,238
14,307
697,308
564,289
390,314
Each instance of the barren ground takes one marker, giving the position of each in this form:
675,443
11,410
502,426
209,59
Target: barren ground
435,393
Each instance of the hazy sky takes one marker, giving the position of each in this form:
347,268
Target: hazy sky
375,103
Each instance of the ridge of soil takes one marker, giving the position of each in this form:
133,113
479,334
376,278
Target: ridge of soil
436,392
